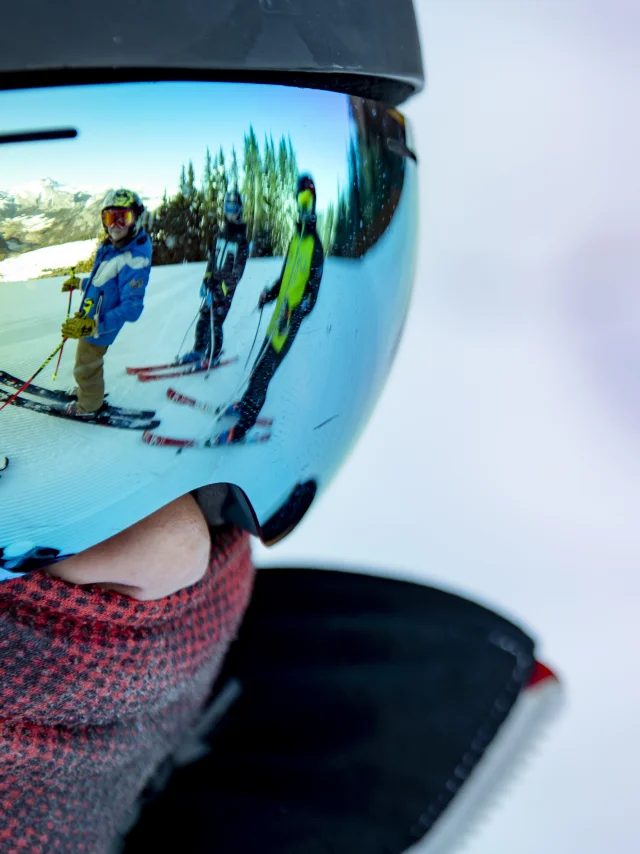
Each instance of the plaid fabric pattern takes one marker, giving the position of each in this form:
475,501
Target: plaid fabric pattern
97,689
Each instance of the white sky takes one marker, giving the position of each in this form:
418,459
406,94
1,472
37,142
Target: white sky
517,386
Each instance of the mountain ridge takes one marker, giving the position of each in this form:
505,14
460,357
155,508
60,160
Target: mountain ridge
45,212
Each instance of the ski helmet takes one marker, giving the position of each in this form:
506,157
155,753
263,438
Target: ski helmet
124,199
233,205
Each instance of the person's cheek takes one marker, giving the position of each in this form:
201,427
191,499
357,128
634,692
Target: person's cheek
164,553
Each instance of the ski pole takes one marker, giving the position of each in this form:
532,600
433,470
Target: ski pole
211,345
33,376
55,373
189,327
255,338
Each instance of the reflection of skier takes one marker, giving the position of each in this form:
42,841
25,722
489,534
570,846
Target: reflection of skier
112,295
227,260
25,557
295,292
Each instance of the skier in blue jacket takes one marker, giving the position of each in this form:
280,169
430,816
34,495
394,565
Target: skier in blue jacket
112,296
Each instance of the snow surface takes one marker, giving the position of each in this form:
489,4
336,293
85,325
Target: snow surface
504,458
30,265
330,377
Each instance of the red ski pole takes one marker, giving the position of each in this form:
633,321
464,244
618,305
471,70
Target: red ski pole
33,376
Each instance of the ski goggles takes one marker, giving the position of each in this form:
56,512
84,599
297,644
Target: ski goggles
305,200
120,217
252,410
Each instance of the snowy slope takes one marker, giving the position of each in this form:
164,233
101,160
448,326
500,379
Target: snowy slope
29,265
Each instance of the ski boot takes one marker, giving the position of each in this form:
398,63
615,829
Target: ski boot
72,410
193,356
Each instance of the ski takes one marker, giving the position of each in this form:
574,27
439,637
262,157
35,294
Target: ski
210,409
61,396
176,369
107,417
145,368
182,370
16,383
156,440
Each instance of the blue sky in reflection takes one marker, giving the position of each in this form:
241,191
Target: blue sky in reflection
139,134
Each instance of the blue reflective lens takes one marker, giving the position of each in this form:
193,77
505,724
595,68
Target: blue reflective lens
197,350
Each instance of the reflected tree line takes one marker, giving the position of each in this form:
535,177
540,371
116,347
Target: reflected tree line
186,224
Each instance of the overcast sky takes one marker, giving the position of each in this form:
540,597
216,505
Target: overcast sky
517,386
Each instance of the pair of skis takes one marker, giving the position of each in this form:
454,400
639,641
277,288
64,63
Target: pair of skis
218,412
54,402
171,370
151,373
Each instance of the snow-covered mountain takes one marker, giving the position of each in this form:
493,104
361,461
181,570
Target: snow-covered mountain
46,212
48,193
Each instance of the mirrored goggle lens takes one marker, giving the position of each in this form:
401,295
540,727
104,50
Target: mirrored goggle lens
120,217
269,391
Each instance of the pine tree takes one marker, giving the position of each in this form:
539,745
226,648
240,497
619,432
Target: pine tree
269,197
221,185
234,178
287,178
209,212
177,228
158,233
252,189
326,228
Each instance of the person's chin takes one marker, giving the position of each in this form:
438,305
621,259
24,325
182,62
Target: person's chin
163,553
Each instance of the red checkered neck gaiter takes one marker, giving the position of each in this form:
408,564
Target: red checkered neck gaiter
96,689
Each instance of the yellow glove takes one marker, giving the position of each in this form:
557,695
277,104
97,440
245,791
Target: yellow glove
78,326
71,284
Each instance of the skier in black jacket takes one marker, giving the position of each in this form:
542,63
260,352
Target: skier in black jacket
227,260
